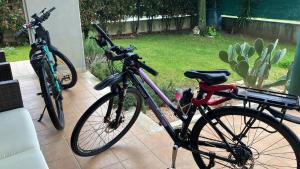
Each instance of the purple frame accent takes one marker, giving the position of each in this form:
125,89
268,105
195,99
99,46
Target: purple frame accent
154,87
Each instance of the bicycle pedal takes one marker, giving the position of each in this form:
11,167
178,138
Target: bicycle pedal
66,77
39,94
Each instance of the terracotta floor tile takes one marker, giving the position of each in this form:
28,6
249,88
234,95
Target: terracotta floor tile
104,159
136,129
129,148
44,124
184,157
156,140
55,151
64,163
114,166
147,161
50,135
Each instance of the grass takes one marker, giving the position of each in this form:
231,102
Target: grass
17,53
172,54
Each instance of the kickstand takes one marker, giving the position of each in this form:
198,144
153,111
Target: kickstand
40,119
174,155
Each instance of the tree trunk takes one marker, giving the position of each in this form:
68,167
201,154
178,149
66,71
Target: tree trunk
202,16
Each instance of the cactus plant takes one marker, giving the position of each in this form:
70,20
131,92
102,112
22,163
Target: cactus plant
237,56
282,81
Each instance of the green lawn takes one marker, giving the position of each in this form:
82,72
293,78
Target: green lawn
172,54
17,53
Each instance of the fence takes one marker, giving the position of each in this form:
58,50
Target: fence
272,9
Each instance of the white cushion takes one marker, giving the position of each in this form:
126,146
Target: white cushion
17,132
30,159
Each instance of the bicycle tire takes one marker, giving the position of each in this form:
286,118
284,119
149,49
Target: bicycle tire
71,67
108,98
57,54
225,112
56,113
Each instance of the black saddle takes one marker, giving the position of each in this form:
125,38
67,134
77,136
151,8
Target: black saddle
211,77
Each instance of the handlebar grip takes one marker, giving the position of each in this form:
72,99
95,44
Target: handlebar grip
52,9
118,57
148,69
99,30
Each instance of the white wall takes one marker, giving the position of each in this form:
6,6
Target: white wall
63,25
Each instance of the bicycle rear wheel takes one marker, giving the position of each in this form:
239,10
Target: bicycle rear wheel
65,70
98,128
52,96
259,140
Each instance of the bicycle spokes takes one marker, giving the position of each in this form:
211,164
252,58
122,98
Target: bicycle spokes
256,144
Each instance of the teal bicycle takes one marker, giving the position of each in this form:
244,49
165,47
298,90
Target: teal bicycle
48,63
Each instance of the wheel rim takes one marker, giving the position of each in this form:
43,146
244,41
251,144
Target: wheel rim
63,72
268,149
97,132
56,98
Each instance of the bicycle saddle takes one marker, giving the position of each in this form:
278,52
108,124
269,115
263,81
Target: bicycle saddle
211,77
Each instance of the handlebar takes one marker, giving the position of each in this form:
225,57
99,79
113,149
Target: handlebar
122,53
103,34
43,17
135,57
148,68
119,57
36,21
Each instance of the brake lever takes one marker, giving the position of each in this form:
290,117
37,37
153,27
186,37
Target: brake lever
42,12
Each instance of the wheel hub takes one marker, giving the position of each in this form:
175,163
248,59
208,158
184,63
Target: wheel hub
113,125
244,157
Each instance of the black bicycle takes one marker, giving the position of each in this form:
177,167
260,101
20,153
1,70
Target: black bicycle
54,69
243,137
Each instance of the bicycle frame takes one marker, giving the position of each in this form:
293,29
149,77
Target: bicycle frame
50,60
42,37
155,108
180,138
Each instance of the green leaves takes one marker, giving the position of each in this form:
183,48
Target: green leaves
278,56
238,58
259,46
223,56
11,15
242,68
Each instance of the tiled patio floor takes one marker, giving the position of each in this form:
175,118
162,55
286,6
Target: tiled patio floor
140,148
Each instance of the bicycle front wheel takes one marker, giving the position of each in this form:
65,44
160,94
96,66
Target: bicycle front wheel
52,96
99,128
256,140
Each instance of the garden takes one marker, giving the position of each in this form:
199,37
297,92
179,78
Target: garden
172,51
77,108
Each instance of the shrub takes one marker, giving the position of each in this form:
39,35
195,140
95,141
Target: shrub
11,16
100,70
93,53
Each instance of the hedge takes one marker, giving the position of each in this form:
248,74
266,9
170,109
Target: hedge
106,11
